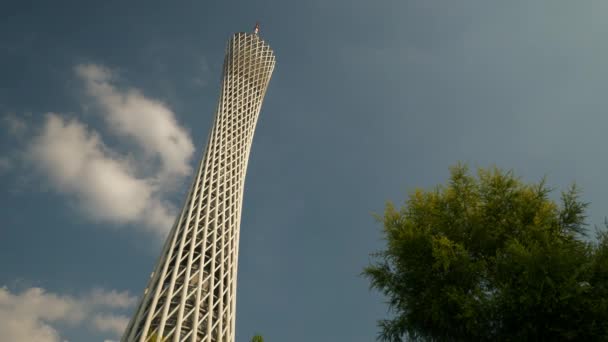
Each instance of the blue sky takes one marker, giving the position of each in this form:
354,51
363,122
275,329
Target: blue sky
368,101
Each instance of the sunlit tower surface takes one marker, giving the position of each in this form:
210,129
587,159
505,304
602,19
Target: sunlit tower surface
191,295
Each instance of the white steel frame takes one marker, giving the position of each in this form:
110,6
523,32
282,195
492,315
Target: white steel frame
191,295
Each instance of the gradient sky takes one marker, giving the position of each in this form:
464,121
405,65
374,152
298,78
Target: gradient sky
369,99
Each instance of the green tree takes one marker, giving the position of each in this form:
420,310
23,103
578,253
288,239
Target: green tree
491,258
257,338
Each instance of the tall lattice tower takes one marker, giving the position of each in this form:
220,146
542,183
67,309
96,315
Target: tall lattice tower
191,295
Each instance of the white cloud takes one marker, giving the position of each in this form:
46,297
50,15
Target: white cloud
149,122
77,162
111,299
14,328
109,186
111,323
47,306
32,314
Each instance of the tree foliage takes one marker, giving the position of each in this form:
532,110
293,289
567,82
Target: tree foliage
257,338
491,258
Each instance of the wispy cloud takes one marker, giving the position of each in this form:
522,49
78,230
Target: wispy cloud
16,126
107,185
149,122
78,163
33,314
110,323
111,299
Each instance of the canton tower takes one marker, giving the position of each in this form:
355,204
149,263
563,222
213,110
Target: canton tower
191,295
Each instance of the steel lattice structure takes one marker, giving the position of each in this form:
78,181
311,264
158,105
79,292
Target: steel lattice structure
191,295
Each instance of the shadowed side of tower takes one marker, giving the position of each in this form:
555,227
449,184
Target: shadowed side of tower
191,295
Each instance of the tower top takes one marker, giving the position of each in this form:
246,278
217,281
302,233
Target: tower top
256,29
